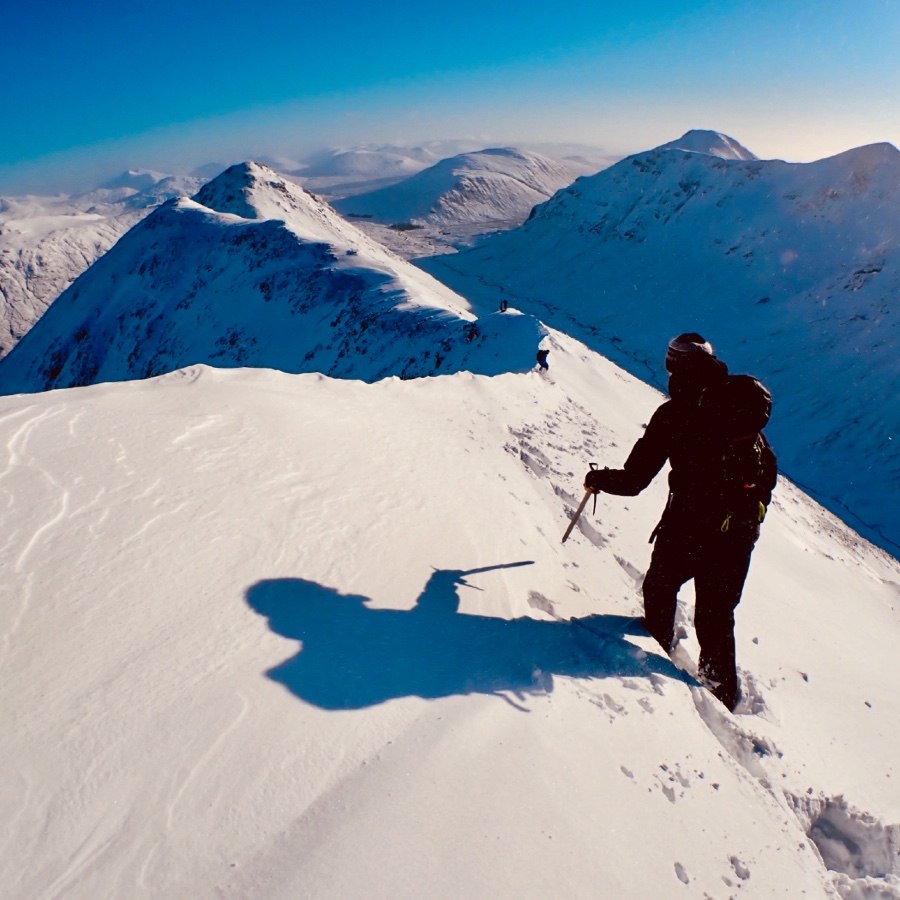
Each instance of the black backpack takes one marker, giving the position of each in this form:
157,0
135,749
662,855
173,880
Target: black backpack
735,412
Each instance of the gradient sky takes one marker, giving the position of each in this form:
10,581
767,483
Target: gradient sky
97,86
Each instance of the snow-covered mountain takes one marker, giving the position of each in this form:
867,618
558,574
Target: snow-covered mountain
269,635
255,271
792,270
46,242
480,188
343,171
362,163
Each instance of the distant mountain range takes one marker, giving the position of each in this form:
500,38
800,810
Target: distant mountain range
339,173
484,187
255,271
792,270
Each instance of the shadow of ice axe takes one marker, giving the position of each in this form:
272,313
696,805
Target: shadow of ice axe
459,575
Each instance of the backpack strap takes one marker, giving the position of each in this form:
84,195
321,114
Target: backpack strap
655,531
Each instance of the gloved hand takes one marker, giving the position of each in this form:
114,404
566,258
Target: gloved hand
593,481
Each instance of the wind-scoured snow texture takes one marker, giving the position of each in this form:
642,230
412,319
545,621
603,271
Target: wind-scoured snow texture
275,636
791,270
254,271
47,242
495,185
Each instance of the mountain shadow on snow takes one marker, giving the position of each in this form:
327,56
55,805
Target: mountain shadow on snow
354,656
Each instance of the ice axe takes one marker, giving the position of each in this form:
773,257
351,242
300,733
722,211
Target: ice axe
577,514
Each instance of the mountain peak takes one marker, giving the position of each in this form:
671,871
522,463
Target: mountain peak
253,191
712,143
870,156
232,190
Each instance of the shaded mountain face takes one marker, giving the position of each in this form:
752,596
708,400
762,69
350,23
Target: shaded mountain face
47,242
495,185
791,270
254,271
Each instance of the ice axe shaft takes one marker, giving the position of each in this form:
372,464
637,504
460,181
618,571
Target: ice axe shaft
577,514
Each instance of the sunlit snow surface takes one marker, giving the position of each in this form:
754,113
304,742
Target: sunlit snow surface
246,653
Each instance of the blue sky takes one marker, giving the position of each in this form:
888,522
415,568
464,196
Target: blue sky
94,87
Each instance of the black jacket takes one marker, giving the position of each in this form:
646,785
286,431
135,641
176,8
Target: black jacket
700,498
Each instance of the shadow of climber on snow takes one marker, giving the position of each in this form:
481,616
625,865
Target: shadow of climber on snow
353,656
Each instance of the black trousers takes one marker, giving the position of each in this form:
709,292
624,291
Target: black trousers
718,562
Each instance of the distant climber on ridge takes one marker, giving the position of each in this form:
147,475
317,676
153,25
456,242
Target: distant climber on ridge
722,476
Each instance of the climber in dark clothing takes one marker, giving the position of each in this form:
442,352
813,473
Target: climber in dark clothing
720,483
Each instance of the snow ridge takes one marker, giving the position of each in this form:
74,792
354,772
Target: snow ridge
363,588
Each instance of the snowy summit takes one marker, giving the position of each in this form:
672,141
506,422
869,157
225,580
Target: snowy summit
711,143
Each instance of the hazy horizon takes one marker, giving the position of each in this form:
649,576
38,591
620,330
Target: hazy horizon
101,90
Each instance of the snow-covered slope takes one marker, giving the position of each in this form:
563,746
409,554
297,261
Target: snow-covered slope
494,185
284,636
46,242
256,271
792,270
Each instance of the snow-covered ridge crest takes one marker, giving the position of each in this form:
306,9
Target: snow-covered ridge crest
253,191
255,271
